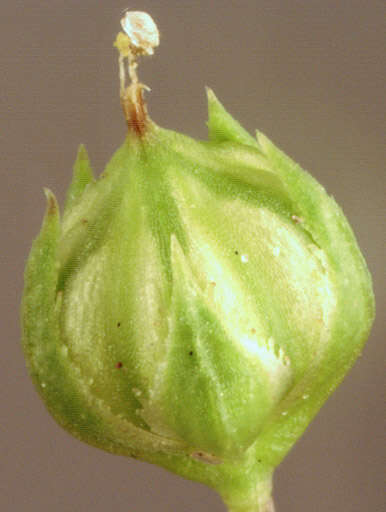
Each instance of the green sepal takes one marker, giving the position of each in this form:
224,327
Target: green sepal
58,378
222,126
40,286
322,219
82,176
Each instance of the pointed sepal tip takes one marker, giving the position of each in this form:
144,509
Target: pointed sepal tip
82,176
222,126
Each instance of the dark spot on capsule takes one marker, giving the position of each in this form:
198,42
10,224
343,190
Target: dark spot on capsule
236,252
84,221
191,353
258,460
119,324
119,365
206,458
253,330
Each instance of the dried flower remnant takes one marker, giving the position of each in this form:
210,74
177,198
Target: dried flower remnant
140,37
142,32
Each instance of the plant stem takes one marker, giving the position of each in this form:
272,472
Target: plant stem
267,507
270,507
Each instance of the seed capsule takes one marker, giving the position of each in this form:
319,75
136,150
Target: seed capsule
196,305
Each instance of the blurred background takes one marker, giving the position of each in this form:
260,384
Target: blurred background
311,76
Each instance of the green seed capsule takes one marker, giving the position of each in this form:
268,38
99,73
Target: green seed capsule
196,305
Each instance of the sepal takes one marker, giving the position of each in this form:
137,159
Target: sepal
38,306
82,176
222,126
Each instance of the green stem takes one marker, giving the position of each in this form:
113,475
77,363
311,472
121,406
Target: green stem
270,506
267,507
250,492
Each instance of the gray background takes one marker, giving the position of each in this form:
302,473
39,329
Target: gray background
309,74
